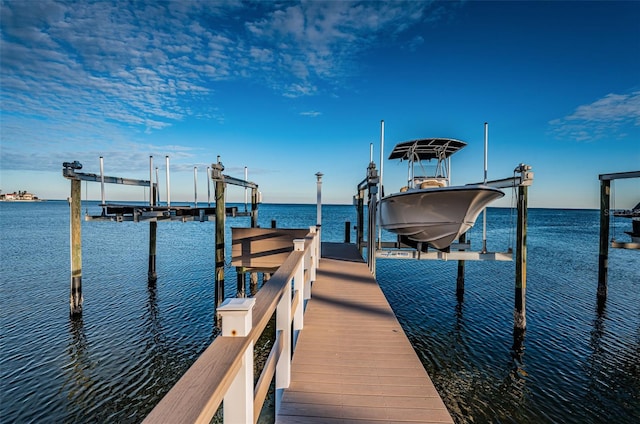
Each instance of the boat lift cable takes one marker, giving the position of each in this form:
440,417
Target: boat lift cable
86,197
512,210
612,209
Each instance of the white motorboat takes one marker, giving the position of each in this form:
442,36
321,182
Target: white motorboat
429,209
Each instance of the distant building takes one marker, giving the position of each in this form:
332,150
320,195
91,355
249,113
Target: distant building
17,196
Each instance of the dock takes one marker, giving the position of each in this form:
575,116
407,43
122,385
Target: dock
353,362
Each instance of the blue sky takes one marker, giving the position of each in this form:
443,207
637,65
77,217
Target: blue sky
288,89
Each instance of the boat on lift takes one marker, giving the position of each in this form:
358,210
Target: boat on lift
428,209
634,214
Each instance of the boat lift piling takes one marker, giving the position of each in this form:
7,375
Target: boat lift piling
520,312
522,179
605,217
153,213
152,275
460,277
75,298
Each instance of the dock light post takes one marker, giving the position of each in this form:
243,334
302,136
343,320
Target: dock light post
319,203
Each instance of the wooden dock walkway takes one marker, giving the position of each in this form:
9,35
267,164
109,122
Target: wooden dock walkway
353,362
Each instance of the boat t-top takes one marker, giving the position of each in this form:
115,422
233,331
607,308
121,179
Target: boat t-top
428,209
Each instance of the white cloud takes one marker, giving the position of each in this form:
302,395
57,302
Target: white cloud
600,119
311,113
84,74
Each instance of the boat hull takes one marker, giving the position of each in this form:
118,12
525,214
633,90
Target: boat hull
437,216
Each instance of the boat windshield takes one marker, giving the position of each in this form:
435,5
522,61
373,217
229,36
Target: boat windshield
428,174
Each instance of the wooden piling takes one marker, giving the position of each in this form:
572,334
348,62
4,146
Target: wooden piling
360,222
75,298
152,274
241,284
254,207
347,232
217,169
519,313
460,278
603,256
253,276
253,283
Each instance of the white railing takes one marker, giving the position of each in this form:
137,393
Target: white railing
224,371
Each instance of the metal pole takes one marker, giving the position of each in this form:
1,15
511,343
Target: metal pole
246,178
603,256
208,186
486,149
381,158
102,179
157,188
195,186
381,191
484,211
151,195
75,245
166,158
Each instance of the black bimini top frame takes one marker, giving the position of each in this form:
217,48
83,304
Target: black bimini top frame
426,149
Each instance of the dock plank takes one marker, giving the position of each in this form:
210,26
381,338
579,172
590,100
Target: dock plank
353,362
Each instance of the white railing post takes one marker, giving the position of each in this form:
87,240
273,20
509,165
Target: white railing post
236,315
283,329
298,287
315,262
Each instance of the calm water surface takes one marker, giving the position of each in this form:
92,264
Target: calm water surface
577,362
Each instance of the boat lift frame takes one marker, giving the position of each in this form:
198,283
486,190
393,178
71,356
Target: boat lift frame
605,218
522,178
154,212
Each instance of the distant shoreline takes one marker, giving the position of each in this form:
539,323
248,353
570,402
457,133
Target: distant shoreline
23,200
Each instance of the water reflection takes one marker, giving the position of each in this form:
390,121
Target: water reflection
152,322
79,380
517,349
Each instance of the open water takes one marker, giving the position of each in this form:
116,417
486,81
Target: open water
578,361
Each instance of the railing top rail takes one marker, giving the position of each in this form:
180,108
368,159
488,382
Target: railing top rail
200,391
